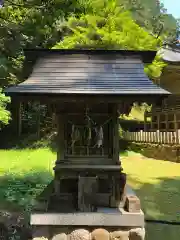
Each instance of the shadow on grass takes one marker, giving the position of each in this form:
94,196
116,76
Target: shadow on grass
17,193
160,202
17,198
160,231
123,145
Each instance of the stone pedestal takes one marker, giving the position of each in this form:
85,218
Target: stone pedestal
119,223
103,224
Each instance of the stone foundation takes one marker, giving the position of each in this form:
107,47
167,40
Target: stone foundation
87,233
121,222
110,224
158,151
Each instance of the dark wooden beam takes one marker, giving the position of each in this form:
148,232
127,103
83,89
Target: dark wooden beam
60,100
115,134
60,138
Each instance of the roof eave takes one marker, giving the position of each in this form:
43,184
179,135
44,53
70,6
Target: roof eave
85,93
146,56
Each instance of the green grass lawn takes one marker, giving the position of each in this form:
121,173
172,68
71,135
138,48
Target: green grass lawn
157,183
25,173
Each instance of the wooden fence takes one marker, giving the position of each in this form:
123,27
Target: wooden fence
153,137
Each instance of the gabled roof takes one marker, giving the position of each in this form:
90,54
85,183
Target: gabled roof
89,72
170,54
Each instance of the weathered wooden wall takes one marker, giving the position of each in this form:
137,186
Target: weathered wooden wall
163,120
167,117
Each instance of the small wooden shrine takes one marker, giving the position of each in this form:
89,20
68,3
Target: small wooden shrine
89,90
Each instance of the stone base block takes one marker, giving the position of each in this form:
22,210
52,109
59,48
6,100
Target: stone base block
103,217
132,204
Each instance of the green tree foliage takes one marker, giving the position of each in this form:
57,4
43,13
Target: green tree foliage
152,15
29,24
4,114
154,70
43,23
40,24
112,28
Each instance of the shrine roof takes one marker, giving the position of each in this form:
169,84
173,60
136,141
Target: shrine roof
170,54
99,72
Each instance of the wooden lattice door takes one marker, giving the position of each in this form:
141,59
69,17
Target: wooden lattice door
88,135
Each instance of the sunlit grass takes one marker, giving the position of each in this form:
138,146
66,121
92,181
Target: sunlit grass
26,160
157,183
24,173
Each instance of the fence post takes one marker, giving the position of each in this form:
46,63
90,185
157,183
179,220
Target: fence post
150,137
178,132
158,136
164,137
153,137
176,128
141,135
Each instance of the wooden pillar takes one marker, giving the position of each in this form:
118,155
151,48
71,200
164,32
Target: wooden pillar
60,138
113,192
60,150
158,121
166,119
115,135
110,140
57,185
166,135
16,123
38,120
